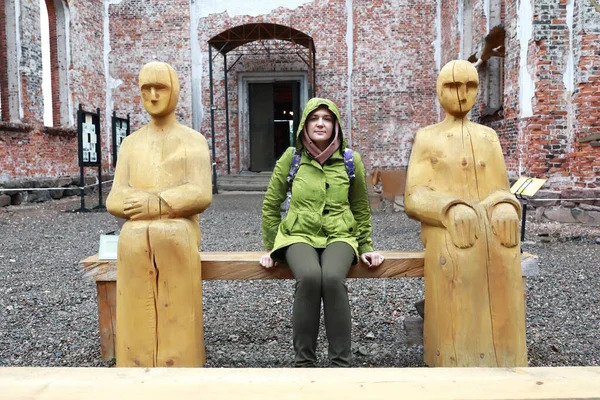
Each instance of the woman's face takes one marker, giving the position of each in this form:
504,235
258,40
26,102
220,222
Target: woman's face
319,126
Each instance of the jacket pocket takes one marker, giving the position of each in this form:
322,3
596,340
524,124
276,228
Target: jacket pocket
350,222
287,224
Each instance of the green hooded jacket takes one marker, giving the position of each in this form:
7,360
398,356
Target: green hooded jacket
320,211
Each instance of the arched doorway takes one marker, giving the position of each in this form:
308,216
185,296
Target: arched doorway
269,102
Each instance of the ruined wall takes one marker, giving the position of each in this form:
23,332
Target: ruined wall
391,75
27,148
324,21
394,75
584,160
141,32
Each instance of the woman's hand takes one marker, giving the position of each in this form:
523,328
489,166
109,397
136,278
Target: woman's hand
267,262
372,259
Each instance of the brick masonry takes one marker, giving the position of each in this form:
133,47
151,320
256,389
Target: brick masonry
392,79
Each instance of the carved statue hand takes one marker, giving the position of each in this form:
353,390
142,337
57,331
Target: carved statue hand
463,225
142,205
505,224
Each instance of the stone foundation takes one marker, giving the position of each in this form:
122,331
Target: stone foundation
58,188
567,206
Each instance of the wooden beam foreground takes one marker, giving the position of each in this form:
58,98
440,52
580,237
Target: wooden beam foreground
281,384
244,266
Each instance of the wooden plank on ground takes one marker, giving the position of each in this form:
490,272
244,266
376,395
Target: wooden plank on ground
282,384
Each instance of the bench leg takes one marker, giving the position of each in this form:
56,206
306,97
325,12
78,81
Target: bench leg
107,314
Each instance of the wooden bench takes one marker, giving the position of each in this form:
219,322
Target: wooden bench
245,266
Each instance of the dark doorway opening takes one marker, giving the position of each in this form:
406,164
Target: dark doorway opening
274,110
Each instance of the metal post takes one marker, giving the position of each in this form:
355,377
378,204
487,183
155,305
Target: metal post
79,151
81,191
226,114
212,122
314,73
523,219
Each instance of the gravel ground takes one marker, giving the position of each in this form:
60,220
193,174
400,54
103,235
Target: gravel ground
48,314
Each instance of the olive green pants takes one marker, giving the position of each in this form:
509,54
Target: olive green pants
321,274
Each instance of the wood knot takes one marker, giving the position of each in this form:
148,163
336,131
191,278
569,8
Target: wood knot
434,160
170,363
442,260
464,162
482,163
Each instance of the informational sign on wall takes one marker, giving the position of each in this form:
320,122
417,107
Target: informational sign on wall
120,130
88,129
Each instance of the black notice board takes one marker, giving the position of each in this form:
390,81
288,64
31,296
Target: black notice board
121,128
88,133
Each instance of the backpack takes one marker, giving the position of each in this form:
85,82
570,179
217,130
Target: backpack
295,166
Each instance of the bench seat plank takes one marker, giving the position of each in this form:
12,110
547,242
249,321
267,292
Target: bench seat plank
244,266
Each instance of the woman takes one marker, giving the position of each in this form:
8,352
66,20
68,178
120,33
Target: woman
327,227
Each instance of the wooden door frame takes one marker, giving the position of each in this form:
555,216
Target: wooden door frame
244,79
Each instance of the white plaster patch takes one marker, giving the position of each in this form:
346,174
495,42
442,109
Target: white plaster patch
524,34
197,110
486,11
460,18
67,13
19,55
350,46
243,7
437,46
569,75
110,82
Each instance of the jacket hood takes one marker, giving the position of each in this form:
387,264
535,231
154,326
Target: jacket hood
311,106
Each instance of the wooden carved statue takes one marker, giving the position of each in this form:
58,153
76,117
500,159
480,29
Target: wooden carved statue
162,183
458,189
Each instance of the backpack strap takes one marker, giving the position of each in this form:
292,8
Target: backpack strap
296,158
349,163
295,165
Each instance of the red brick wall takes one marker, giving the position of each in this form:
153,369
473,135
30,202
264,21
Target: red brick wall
324,21
37,153
547,143
141,32
584,160
393,78
393,75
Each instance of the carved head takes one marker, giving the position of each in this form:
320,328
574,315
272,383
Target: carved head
159,87
457,87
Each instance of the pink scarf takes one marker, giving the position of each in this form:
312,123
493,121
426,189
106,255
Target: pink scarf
322,156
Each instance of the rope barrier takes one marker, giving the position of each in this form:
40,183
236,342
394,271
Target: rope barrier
54,188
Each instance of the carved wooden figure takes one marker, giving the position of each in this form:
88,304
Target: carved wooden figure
458,189
162,183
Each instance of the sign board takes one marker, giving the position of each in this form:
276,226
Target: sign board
88,132
121,128
526,186
108,247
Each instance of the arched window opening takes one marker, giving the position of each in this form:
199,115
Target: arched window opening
55,85
46,65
